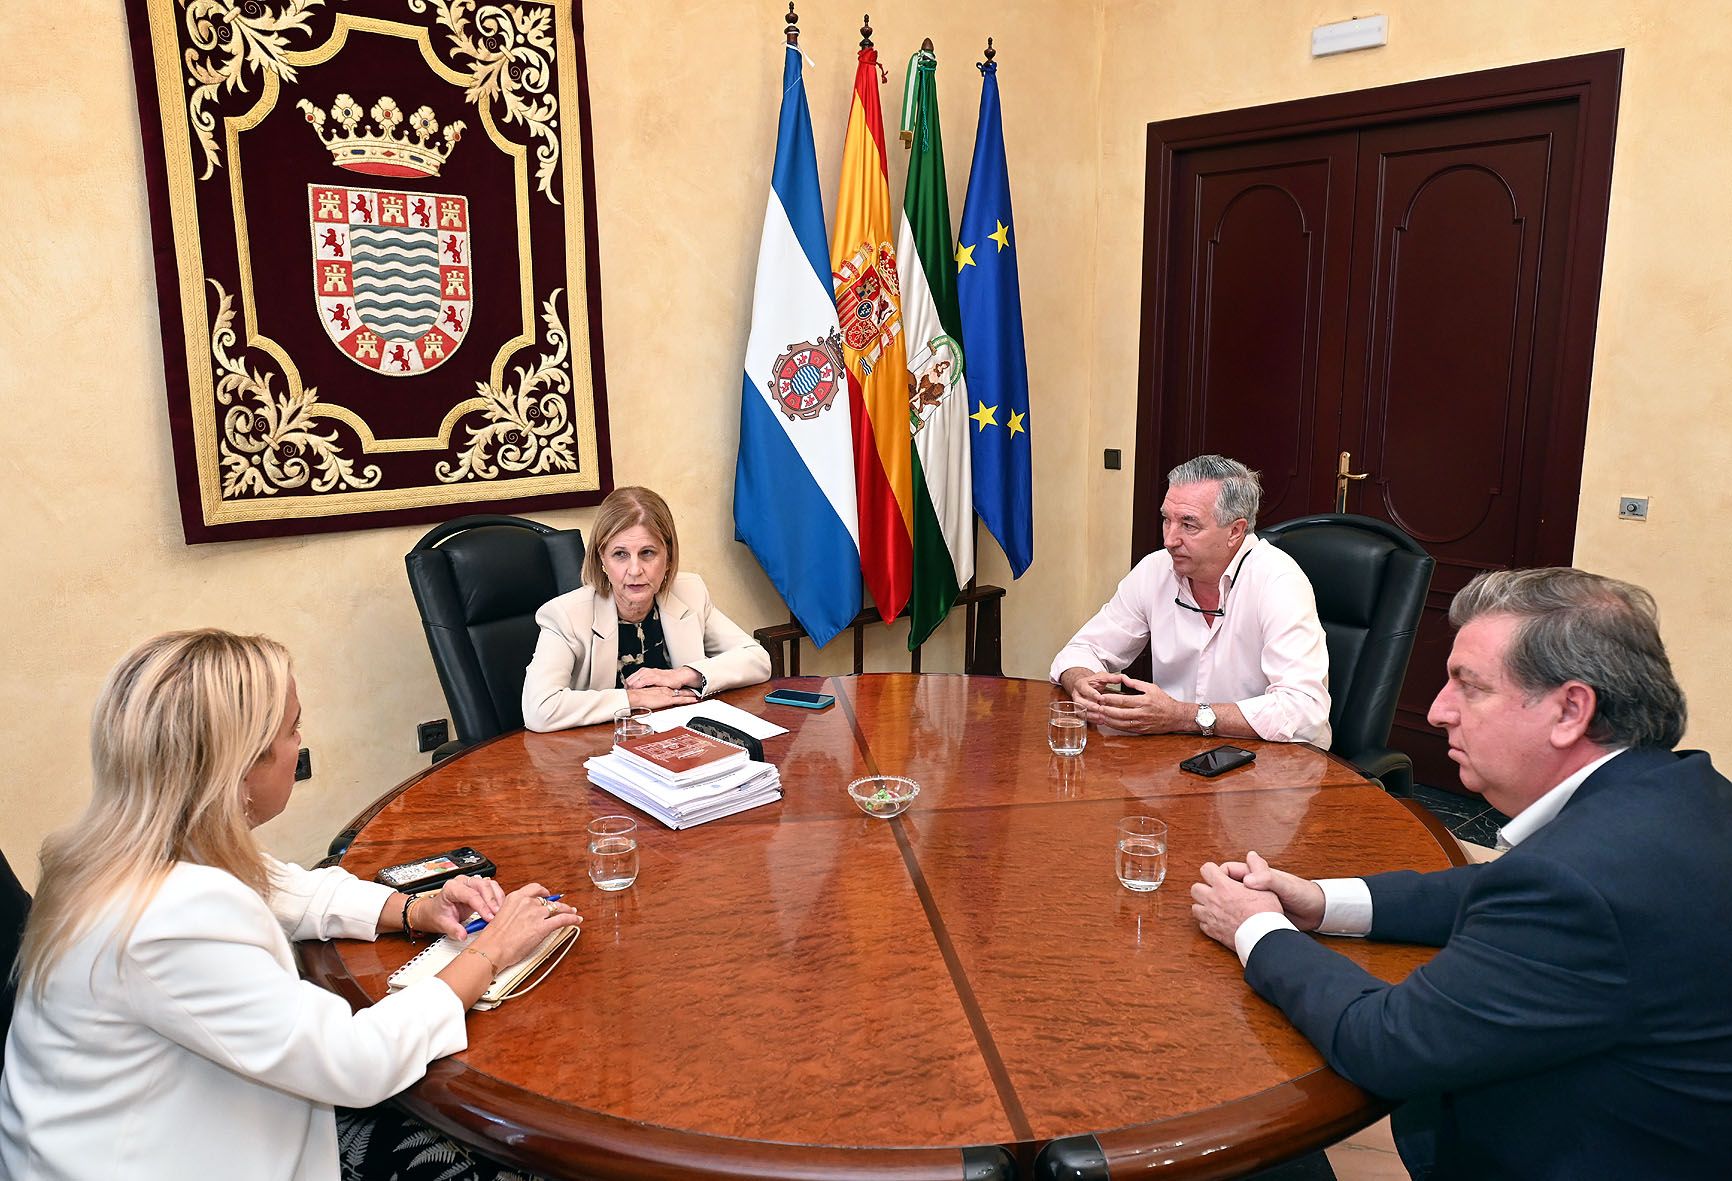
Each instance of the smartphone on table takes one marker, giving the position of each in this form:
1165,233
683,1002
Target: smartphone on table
799,698
412,877
1218,761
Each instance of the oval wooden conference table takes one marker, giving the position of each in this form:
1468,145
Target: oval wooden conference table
965,991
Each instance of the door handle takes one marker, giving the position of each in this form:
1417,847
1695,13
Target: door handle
1342,476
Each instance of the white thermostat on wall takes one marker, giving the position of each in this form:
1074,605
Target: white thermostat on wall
1362,32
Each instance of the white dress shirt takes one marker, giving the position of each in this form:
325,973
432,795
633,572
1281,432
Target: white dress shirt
198,1051
1266,654
1347,901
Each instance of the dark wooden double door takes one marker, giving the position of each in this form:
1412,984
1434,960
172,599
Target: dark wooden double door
1407,275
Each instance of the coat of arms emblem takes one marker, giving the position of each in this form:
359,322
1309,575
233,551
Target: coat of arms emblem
866,294
392,275
804,379
932,375
391,269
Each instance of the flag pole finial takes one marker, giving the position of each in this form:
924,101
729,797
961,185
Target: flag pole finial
866,31
990,51
793,29
926,46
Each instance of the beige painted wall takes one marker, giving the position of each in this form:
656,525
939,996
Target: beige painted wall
1661,399
685,97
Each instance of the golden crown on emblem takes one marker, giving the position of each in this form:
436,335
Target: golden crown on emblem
378,150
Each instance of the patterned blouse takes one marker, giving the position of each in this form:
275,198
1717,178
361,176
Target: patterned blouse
642,645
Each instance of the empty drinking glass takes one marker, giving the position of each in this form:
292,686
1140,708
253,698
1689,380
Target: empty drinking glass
1140,854
1066,731
613,852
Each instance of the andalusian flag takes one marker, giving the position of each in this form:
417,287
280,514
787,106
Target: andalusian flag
937,395
991,300
869,307
794,480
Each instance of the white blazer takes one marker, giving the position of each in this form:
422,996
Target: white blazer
570,681
200,1052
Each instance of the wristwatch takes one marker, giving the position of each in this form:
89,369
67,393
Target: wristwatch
1206,720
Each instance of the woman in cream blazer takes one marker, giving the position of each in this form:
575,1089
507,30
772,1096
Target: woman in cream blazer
572,677
638,632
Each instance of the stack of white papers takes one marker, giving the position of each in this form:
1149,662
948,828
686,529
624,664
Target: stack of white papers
734,790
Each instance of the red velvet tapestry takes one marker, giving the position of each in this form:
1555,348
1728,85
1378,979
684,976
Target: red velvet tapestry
374,224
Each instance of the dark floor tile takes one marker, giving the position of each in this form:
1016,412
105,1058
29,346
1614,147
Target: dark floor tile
1447,806
1482,829
1314,1167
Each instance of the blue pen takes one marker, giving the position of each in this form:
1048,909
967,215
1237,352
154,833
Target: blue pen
474,925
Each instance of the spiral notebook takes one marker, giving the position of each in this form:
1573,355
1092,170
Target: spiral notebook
505,986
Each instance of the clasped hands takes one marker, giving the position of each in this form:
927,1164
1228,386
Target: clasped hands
1139,707
661,688
1232,892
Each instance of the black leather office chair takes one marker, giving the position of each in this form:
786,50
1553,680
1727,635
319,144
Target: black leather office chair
14,909
1370,579
478,582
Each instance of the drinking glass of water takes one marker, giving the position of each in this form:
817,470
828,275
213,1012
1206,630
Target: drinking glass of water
630,722
1140,855
1066,731
613,852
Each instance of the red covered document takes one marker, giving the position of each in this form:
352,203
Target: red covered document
681,756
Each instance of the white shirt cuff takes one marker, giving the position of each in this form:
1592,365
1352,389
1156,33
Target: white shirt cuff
1254,928
1070,658
1346,907
1251,707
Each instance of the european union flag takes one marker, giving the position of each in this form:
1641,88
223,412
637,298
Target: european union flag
991,300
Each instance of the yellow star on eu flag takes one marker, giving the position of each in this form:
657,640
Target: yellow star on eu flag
964,257
1015,423
1002,235
984,416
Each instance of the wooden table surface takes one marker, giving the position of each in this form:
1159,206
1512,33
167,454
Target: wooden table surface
805,991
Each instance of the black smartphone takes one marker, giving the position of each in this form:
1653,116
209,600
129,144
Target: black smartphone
722,732
412,877
800,698
1218,761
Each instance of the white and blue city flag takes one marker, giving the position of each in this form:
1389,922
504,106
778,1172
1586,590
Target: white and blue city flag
794,494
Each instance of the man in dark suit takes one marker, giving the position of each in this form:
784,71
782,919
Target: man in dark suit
1577,1022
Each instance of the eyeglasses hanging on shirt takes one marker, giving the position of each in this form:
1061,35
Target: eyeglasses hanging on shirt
1203,611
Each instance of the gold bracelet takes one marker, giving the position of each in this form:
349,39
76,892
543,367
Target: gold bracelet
483,955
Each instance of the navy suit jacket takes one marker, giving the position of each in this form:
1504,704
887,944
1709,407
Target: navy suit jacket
1577,1022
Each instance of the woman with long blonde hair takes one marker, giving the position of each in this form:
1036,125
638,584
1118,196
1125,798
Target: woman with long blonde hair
161,1028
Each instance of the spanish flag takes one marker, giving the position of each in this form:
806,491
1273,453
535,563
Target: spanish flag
869,308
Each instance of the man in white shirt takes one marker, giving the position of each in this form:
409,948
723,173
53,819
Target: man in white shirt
1576,1022
1230,622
